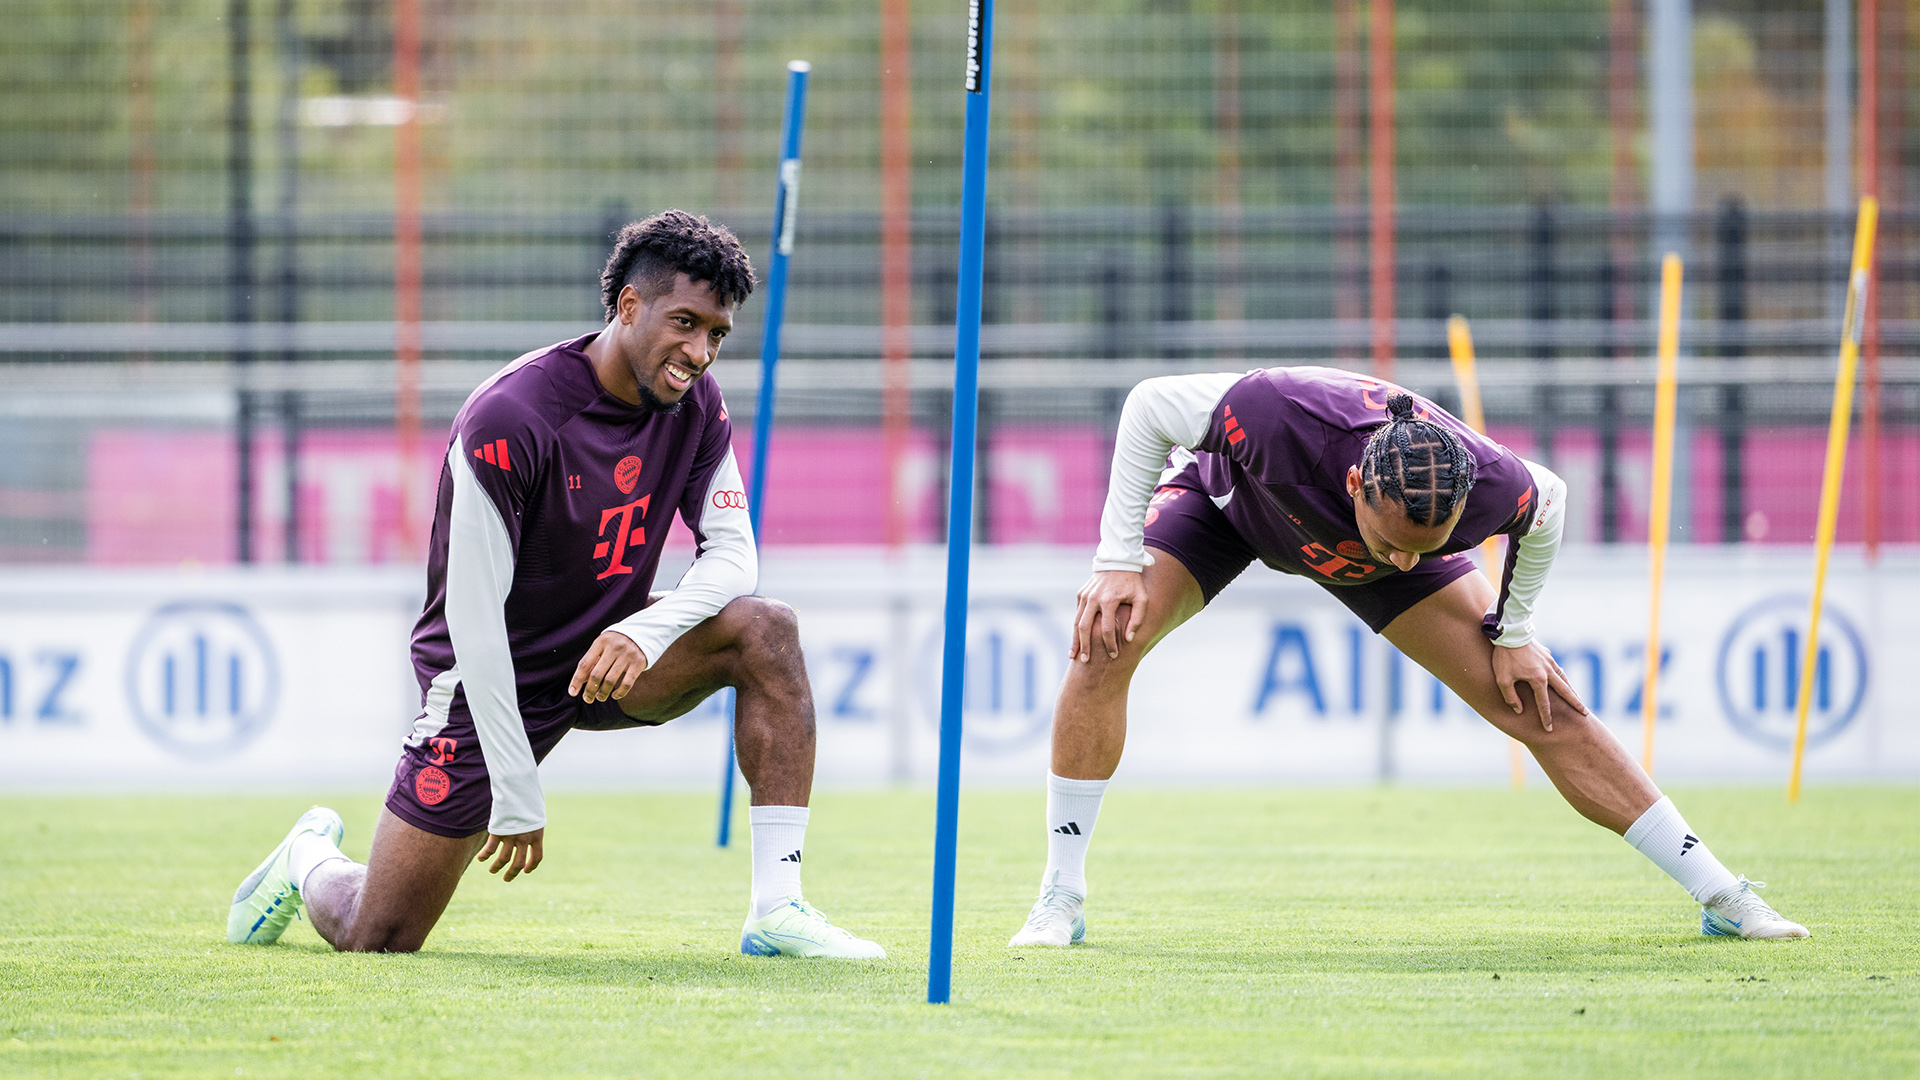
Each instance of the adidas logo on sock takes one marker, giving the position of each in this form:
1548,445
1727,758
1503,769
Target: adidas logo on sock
1687,844
795,857
1071,828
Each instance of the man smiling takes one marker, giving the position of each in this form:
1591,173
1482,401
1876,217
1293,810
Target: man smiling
560,482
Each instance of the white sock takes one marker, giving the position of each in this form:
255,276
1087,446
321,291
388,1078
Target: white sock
310,851
1662,835
1073,806
779,835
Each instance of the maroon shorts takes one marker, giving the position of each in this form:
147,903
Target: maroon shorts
441,784
1186,524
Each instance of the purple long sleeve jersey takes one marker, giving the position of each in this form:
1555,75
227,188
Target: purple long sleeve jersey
553,506
1272,447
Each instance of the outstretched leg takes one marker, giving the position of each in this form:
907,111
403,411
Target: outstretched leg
1588,766
1089,733
1585,762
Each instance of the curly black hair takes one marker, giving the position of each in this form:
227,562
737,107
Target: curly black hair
1417,463
647,254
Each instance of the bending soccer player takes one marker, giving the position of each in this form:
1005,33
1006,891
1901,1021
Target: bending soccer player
562,477
1376,495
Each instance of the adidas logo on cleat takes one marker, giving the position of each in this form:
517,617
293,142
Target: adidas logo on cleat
1071,828
795,857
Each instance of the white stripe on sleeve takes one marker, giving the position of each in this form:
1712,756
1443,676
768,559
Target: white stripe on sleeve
727,567
1534,555
1160,414
479,576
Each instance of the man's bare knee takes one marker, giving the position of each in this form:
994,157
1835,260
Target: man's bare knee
762,620
766,635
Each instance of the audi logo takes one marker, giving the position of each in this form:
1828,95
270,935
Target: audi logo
730,500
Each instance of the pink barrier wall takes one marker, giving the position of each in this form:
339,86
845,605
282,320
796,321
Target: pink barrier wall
162,496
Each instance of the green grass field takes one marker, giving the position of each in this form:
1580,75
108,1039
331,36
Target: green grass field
1348,932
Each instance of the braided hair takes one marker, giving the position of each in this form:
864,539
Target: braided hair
1417,463
647,254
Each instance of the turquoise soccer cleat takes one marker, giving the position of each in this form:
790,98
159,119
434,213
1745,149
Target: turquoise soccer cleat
796,928
269,899
1739,913
1056,920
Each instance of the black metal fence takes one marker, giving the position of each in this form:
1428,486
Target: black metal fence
277,320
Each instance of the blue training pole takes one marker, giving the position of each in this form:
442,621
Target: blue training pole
785,202
966,402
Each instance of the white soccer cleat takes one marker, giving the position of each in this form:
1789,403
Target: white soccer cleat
796,928
269,898
1740,913
1055,920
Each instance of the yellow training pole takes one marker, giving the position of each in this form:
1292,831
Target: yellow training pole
1666,391
1836,461
1460,344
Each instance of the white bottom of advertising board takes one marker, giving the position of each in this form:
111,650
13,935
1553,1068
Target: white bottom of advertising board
271,678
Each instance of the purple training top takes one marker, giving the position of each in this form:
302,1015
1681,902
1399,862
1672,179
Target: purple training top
585,486
1277,451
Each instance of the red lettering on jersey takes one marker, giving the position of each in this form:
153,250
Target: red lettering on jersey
626,474
442,750
626,530
1525,498
1333,566
1352,549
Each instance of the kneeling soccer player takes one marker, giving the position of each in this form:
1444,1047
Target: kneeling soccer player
1376,495
564,471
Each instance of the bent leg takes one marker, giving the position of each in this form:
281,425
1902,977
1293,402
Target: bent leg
392,903
752,645
1090,719
1586,763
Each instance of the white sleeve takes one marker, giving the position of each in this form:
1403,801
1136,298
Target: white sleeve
727,567
1533,555
479,576
1160,414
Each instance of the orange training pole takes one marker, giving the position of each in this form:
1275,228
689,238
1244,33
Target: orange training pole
406,262
1830,481
896,254
1380,104
1460,345
1665,400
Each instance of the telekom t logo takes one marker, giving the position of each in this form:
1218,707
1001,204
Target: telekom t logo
626,530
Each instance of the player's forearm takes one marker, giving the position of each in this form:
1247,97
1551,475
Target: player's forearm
1534,555
1160,414
479,576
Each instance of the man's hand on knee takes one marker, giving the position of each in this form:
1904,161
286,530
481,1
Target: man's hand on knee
1109,599
608,670
519,853
1534,666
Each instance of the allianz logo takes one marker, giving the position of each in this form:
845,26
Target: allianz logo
202,679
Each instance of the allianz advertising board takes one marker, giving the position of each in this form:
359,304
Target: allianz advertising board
268,679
